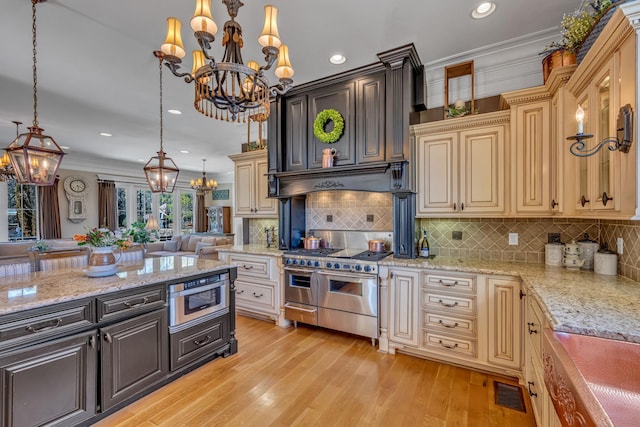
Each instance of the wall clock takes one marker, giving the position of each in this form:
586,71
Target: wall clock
76,189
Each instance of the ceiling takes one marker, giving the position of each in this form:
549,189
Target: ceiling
96,71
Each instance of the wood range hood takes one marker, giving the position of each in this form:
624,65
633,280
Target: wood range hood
374,152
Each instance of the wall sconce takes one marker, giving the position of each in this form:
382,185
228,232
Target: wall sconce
622,142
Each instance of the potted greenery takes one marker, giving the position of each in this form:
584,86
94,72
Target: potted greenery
139,233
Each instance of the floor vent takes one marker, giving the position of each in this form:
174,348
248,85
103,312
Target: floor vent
509,396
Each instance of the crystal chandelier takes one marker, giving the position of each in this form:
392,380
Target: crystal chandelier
160,170
6,170
35,158
204,185
229,90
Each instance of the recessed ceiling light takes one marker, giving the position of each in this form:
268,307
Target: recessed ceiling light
483,10
64,147
174,111
184,151
338,59
141,160
105,134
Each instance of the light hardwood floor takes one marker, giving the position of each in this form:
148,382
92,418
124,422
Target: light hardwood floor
315,377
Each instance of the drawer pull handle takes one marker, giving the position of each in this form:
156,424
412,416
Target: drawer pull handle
293,307
531,393
241,291
203,341
258,295
531,331
51,325
140,304
448,283
247,267
455,304
450,347
108,338
455,325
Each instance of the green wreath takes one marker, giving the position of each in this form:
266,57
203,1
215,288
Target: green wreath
321,120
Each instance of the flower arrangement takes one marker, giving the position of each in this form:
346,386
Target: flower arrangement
40,246
576,26
99,238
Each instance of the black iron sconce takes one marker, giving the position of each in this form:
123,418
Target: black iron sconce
622,142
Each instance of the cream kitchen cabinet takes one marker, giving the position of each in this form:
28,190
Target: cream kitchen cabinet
461,166
257,287
473,320
251,186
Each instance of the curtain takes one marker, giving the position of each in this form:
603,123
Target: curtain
50,227
201,215
107,215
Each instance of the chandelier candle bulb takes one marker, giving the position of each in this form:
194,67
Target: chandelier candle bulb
580,119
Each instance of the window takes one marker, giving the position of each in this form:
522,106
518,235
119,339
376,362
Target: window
23,211
143,205
165,211
186,205
121,195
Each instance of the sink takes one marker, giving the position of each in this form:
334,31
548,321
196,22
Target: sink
592,381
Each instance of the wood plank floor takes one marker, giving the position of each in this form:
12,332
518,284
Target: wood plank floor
314,377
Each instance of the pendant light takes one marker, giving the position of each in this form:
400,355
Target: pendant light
6,170
35,158
160,170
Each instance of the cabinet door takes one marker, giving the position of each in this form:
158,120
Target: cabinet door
404,326
244,188
437,173
134,356
263,205
504,323
583,169
370,132
296,133
482,170
531,143
53,383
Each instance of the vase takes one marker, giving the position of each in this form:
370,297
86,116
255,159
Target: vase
102,259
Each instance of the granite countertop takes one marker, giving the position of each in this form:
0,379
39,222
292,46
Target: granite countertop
253,250
575,301
40,289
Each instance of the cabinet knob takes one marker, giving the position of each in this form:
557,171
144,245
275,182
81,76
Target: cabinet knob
554,203
455,206
462,206
605,198
107,338
584,201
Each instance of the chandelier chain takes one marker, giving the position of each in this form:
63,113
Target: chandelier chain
35,68
160,65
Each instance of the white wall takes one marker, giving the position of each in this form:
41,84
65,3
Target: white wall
68,227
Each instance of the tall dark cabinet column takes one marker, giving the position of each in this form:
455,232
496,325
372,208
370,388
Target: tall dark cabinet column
404,212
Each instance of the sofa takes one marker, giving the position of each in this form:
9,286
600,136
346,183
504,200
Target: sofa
202,247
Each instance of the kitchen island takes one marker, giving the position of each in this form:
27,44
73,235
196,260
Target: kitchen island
74,349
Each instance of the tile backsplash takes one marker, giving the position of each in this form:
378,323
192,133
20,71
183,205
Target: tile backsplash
629,260
257,233
349,210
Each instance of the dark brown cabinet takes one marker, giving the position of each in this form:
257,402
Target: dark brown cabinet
53,383
199,341
296,132
134,355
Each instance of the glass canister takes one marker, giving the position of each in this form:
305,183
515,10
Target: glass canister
588,248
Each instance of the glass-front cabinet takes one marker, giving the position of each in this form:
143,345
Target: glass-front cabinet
596,187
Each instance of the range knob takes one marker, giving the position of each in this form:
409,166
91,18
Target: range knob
367,268
295,262
336,265
358,267
309,263
288,260
317,264
329,265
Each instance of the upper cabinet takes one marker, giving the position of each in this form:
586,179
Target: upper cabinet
251,187
606,183
461,165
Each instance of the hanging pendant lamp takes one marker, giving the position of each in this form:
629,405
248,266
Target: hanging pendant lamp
35,158
160,170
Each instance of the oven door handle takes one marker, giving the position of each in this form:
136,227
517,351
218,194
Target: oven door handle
351,274
298,271
197,289
295,307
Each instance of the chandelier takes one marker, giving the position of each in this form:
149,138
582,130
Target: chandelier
6,170
203,185
160,170
228,89
35,158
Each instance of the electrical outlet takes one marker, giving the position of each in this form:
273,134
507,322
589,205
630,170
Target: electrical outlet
369,217
553,237
513,239
620,245
329,218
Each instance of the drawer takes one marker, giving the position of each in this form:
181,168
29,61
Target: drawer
439,323
199,341
451,283
255,296
445,343
42,323
251,266
128,303
449,303
535,322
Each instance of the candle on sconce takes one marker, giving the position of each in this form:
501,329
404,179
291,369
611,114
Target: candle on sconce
580,119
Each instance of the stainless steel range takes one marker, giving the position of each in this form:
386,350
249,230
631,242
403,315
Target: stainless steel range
334,288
